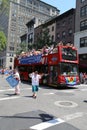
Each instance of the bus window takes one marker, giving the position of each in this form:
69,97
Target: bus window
69,54
45,69
22,68
68,69
38,68
41,69
29,69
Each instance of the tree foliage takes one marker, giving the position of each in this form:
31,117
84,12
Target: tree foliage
22,48
2,41
44,39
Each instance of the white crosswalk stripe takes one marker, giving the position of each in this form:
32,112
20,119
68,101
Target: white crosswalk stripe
7,98
47,124
5,90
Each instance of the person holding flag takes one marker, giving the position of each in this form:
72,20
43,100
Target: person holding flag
17,77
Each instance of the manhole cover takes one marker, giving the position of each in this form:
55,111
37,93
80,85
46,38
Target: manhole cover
66,104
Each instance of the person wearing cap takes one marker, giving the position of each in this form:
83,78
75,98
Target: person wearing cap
35,77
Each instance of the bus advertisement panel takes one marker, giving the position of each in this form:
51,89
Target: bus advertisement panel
58,68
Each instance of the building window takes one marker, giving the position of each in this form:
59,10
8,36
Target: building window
11,48
82,1
83,11
52,28
10,59
83,42
52,38
29,1
83,25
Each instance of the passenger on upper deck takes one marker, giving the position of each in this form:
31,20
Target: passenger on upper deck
45,50
60,43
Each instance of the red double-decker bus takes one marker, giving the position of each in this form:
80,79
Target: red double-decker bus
58,68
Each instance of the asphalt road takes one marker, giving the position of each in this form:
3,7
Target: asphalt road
53,109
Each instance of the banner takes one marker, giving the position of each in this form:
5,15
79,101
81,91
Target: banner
12,81
31,59
70,80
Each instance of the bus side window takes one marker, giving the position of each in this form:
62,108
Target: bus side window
29,69
45,69
22,68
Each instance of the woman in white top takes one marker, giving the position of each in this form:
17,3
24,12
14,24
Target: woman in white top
17,77
35,77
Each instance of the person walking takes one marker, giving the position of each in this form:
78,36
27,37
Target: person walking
35,77
17,77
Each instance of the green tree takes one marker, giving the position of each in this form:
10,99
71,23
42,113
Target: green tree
44,39
2,41
22,48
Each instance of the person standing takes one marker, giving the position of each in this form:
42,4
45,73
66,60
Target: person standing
17,77
81,77
35,77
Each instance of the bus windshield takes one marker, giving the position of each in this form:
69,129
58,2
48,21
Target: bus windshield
69,54
69,69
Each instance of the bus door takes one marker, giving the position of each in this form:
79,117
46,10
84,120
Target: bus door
43,69
53,75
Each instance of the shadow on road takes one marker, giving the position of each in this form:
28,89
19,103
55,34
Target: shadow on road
42,116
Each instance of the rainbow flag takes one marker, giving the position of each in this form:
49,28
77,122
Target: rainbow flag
70,80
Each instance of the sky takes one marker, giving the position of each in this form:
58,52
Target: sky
62,5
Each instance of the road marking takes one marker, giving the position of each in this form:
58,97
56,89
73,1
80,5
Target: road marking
49,93
68,91
7,98
47,124
83,84
84,89
73,116
57,121
4,90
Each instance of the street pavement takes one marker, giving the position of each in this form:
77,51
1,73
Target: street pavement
53,109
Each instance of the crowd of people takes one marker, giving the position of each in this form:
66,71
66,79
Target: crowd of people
5,71
44,51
